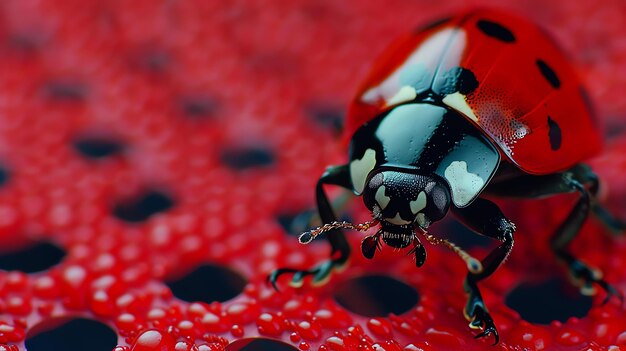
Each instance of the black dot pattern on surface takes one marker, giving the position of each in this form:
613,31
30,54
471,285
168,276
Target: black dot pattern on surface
142,207
496,30
34,258
554,134
241,158
376,296
198,107
259,344
150,60
551,300
327,117
25,43
4,176
97,147
65,90
548,73
75,335
208,283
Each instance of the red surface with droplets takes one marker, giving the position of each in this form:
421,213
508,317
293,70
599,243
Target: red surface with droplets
178,83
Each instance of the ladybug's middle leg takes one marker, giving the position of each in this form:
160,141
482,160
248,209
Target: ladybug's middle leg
340,248
484,217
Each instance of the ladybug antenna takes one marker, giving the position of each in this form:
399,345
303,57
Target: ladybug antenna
473,265
308,236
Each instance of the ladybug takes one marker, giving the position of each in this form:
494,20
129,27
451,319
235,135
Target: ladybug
480,104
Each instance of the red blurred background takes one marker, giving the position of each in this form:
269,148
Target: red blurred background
154,156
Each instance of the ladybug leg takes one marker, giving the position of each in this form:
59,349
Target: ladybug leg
574,180
340,249
586,175
484,217
583,275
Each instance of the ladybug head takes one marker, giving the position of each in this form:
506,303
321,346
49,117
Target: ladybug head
403,201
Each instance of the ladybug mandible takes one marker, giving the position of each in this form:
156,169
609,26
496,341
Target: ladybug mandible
482,103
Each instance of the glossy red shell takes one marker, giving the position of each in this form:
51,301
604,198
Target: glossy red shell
539,117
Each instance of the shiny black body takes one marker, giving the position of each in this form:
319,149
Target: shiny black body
425,138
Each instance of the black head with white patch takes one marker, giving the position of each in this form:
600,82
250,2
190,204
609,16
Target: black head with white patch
405,201
411,164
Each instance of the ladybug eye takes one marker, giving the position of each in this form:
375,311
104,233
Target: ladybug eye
438,202
374,193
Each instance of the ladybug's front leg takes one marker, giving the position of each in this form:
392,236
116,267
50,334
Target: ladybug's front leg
340,249
484,217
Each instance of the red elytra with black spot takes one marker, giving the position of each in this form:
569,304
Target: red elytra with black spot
521,90
180,83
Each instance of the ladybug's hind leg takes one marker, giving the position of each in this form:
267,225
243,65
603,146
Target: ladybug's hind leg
579,179
484,217
585,175
340,249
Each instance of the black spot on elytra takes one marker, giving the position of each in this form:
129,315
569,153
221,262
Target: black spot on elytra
376,296
142,207
460,80
65,90
551,300
31,259
554,134
208,283
97,147
74,335
259,344
496,30
240,158
433,24
549,74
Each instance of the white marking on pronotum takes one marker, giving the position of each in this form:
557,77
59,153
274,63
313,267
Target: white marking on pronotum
359,169
382,199
421,220
397,220
457,101
465,185
419,203
406,93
